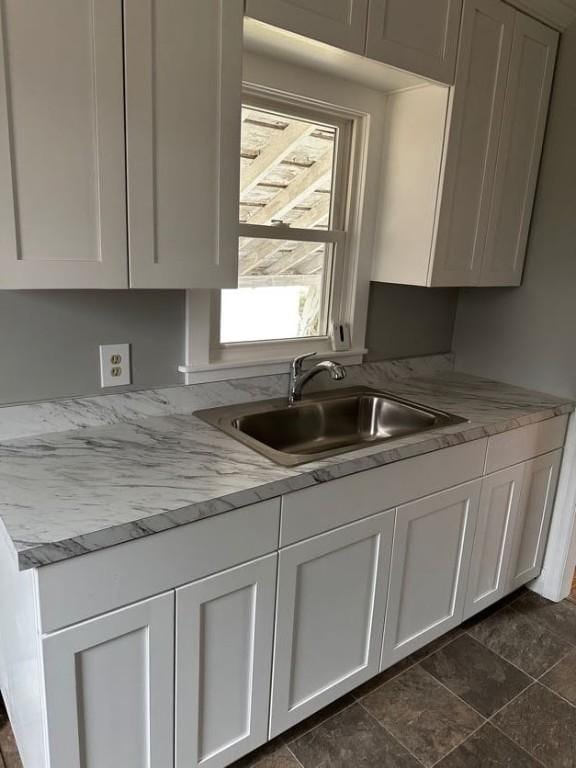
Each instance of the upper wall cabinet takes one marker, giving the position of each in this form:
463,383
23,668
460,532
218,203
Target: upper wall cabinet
483,158
62,179
341,23
525,111
183,92
418,35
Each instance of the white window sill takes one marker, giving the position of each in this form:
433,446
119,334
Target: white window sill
221,371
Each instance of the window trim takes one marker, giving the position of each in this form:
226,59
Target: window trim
276,81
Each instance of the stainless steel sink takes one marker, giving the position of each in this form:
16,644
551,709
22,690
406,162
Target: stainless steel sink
324,424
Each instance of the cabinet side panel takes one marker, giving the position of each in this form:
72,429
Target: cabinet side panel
20,657
412,160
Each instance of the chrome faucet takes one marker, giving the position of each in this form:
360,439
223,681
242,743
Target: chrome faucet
298,377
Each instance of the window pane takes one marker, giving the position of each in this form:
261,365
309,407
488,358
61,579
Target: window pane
283,291
287,170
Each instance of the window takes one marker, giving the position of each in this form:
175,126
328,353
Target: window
294,173
311,166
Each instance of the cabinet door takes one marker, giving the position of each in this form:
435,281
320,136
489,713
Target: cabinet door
531,530
497,517
418,35
110,689
183,91
224,635
62,178
477,107
525,112
429,574
329,617
341,23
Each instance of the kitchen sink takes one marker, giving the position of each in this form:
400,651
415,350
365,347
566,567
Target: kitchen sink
324,424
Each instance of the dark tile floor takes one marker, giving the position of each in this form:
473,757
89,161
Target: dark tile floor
499,692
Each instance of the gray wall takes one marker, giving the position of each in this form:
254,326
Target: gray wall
49,340
405,320
527,335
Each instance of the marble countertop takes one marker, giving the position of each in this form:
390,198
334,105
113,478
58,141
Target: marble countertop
63,494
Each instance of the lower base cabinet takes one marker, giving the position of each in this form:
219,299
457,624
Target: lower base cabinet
513,523
329,617
110,689
224,631
430,563
207,672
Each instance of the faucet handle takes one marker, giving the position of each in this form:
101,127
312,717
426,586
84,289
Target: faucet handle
296,364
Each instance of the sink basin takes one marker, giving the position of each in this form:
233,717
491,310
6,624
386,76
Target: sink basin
324,424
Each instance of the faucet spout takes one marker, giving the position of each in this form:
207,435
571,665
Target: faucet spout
298,377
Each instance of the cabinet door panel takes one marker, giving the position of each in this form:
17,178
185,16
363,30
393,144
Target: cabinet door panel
329,617
225,626
429,573
497,516
524,121
62,179
341,23
183,91
418,35
538,492
477,107
110,689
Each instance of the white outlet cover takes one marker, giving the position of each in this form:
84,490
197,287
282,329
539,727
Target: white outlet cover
112,373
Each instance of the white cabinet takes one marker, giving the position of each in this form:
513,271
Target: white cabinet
62,178
531,531
524,121
329,617
429,572
183,92
341,23
491,556
71,73
224,635
456,201
418,35
477,110
110,689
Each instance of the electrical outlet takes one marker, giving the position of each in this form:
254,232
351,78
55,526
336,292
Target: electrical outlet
115,370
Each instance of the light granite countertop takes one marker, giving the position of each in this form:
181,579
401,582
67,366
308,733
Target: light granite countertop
66,493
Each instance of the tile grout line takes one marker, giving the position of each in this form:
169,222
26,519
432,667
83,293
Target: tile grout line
411,666
537,623
392,736
460,744
555,693
292,755
503,658
314,727
460,699
500,730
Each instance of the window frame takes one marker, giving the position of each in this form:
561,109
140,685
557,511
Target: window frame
334,235
295,87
